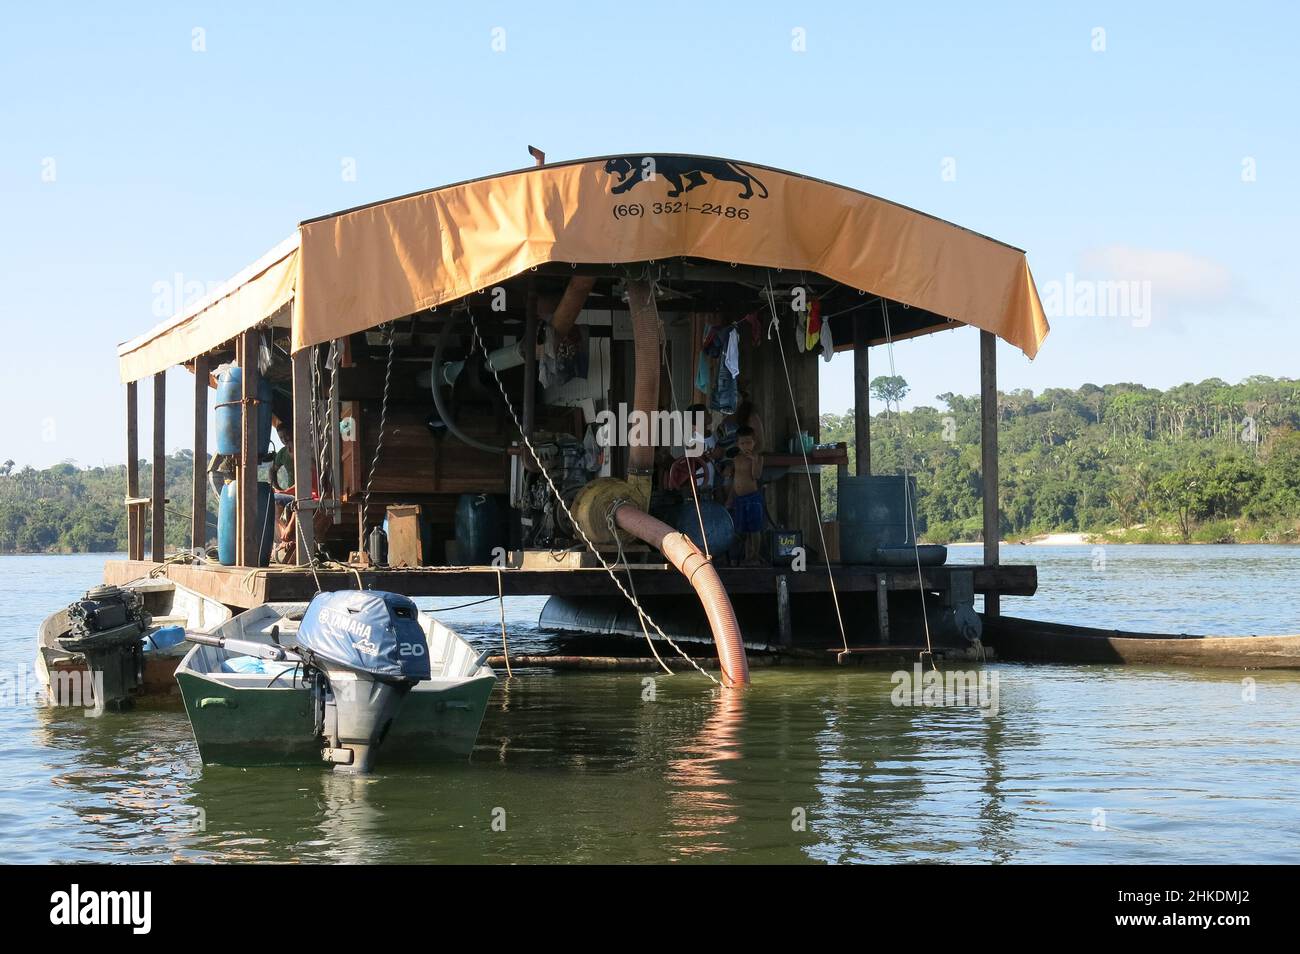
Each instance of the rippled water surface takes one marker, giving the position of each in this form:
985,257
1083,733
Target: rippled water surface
1079,764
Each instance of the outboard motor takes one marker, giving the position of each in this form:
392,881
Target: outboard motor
107,626
372,652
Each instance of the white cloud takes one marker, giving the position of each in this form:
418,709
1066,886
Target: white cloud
1173,275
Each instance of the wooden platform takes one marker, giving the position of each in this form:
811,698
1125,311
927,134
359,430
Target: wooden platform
241,587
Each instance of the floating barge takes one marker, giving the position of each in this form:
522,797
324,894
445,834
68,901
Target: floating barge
464,343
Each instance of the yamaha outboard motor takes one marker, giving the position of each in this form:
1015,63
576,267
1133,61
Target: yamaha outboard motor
372,652
107,626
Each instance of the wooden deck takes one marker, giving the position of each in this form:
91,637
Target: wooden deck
241,587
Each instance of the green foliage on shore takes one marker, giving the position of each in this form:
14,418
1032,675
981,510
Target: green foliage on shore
68,509
1200,463
1208,462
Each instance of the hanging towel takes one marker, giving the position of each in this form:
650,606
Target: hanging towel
702,373
828,346
814,325
732,358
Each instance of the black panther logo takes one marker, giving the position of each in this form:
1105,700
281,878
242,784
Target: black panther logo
684,173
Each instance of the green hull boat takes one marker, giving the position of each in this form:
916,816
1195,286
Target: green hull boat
248,711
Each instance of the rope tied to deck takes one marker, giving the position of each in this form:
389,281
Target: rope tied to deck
812,492
501,602
907,497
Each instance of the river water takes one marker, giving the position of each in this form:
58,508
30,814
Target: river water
1096,764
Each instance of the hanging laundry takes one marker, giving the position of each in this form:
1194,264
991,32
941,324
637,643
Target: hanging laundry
571,355
801,330
814,330
828,346
703,373
724,392
546,375
732,351
755,331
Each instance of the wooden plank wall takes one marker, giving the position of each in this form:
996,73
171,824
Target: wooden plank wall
762,374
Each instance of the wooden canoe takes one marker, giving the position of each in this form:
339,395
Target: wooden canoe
1030,640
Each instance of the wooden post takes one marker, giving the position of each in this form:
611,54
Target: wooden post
249,535
530,360
785,633
989,457
199,506
304,456
882,607
861,397
134,522
158,498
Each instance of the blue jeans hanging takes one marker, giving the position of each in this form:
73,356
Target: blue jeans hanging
724,391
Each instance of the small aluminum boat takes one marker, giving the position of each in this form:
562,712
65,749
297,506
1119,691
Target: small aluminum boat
161,607
352,678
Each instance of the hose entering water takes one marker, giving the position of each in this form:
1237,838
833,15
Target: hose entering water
682,553
676,547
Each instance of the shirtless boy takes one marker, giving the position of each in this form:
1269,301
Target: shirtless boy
747,499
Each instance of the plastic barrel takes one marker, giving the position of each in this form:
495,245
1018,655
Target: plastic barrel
228,523
873,513
229,414
480,528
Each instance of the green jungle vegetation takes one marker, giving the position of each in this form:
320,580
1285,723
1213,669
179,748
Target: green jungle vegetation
1199,463
1202,463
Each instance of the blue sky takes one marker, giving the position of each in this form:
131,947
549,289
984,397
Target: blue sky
1171,156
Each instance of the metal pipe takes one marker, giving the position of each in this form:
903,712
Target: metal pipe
571,302
447,327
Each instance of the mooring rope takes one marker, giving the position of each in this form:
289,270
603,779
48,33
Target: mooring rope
609,522
501,602
812,491
907,492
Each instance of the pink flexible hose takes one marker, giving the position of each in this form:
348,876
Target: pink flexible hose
678,549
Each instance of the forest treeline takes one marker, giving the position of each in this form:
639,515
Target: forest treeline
1203,462
70,509
1207,462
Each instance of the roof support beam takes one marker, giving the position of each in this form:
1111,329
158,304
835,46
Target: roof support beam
134,515
861,398
199,506
248,530
989,457
304,455
158,498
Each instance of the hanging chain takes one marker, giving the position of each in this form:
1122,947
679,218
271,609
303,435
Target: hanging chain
383,421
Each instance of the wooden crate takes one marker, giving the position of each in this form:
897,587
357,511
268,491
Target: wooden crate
406,546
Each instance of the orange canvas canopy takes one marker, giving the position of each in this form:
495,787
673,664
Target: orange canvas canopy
366,266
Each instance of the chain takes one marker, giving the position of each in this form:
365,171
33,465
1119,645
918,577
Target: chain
383,419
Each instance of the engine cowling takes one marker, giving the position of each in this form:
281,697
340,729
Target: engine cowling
372,651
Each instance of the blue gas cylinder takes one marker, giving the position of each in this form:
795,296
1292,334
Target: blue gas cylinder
229,414
228,523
